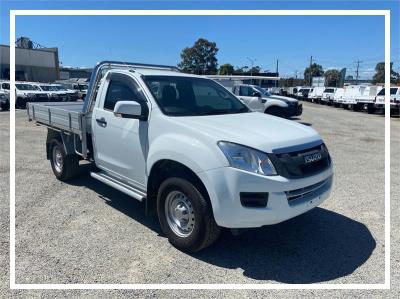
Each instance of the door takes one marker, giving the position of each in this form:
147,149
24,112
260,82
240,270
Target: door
246,93
120,143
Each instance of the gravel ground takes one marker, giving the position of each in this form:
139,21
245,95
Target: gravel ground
86,232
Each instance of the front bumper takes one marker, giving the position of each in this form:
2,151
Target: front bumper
393,106
294,110
224,186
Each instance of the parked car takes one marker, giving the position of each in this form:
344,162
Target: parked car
394,99
47,89
316,94
352,92
258,99
366,99
338,97
80,87
66,94
292,91
26,92
188,148
328,95
303,92
275,90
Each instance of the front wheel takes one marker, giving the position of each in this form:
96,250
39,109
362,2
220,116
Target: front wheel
276,111
185,215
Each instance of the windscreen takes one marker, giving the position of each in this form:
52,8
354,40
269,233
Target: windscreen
57,87
393,91
192,96
47,88
25,86
262,91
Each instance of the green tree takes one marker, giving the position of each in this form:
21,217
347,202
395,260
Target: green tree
241,70
315,70
200,58
379,76
226,69
332,77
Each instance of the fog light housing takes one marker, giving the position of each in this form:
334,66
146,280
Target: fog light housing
254,199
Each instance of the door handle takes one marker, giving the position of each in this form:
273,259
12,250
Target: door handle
101,121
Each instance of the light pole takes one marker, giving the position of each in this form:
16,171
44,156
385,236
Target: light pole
252,64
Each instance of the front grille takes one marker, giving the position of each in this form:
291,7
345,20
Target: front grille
41,98
300,195
293,164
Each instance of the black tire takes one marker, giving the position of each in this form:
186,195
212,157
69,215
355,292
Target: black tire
5,107
204,230
276,111
20,103
370,109
356,107
69,166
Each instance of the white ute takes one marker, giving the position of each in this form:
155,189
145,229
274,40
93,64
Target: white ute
259,99
189,148
394,99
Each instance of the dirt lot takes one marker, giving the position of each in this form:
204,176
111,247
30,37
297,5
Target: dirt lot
86,232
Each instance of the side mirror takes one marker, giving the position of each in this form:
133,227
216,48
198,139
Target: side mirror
129,109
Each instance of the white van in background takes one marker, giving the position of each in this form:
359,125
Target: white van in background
366,98
328,95
350,95
316,94
338,97
303,92
394,99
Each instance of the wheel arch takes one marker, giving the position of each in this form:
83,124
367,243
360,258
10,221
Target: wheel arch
66,140
163,169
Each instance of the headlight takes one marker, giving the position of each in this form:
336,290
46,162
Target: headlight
247,159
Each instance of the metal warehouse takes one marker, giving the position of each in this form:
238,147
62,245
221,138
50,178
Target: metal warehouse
33,62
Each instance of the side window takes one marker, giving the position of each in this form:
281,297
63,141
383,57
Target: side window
120,91
5,86
244,91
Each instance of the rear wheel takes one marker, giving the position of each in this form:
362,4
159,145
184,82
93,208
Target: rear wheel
64,166
185,215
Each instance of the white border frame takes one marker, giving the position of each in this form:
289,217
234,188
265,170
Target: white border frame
385,13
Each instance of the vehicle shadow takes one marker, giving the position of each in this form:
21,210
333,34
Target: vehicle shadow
318,246
315,247
116,199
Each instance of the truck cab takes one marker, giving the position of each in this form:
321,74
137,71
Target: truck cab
394,99
328,95
258,99
190,149
315,94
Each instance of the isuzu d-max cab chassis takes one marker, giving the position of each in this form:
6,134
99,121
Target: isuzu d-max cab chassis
189,148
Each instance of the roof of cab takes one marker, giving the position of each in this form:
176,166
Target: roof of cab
159,72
